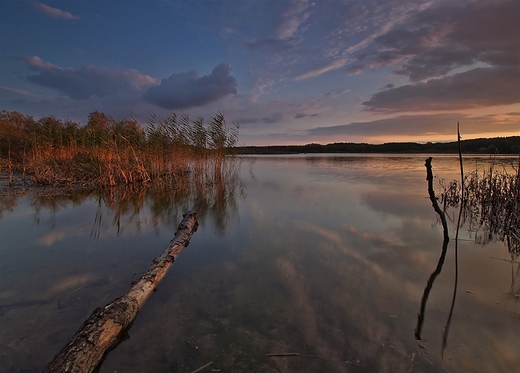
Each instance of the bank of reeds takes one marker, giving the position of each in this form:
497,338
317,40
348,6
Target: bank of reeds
492,204
107,153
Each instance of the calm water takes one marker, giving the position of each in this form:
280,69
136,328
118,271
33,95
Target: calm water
323,256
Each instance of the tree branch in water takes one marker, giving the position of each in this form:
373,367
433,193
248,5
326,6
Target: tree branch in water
446,240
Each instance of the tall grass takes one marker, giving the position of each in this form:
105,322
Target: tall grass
106,152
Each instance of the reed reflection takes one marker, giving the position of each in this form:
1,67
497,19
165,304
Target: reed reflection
211,191
514,290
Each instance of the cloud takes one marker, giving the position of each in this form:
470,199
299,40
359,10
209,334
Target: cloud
260,86
424,125
285,27
273,118
355,70
481,37
186,90
9,92
304,115
292,19
54,12
247,120
336,93
85,82
448,36
330,66
366,22
477,88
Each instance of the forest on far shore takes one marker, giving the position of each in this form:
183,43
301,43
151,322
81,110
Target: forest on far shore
496,145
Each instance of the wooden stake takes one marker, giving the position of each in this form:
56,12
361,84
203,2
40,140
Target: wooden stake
102,331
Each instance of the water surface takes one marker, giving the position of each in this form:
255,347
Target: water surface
324,256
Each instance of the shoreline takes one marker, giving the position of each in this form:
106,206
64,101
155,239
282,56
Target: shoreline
496,145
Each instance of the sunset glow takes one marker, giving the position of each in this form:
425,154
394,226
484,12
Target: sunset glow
289,72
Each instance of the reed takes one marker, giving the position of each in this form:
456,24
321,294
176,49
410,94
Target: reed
492,205
159,203
107,153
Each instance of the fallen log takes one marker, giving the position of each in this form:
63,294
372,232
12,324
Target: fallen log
102,331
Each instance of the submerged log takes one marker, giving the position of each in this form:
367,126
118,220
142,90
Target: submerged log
103,330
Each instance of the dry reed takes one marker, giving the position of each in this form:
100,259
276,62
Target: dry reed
108,153
492,205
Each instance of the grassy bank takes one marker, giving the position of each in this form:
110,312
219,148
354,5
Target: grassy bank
106,152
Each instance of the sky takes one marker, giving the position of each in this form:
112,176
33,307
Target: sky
288,72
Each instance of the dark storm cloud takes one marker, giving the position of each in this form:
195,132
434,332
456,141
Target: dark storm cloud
186,90
475,88
423,125
85,82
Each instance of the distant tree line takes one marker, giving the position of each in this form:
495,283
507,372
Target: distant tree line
500,145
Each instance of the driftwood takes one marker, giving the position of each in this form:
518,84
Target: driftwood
103,330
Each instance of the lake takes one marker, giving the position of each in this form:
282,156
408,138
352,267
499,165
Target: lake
322,257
